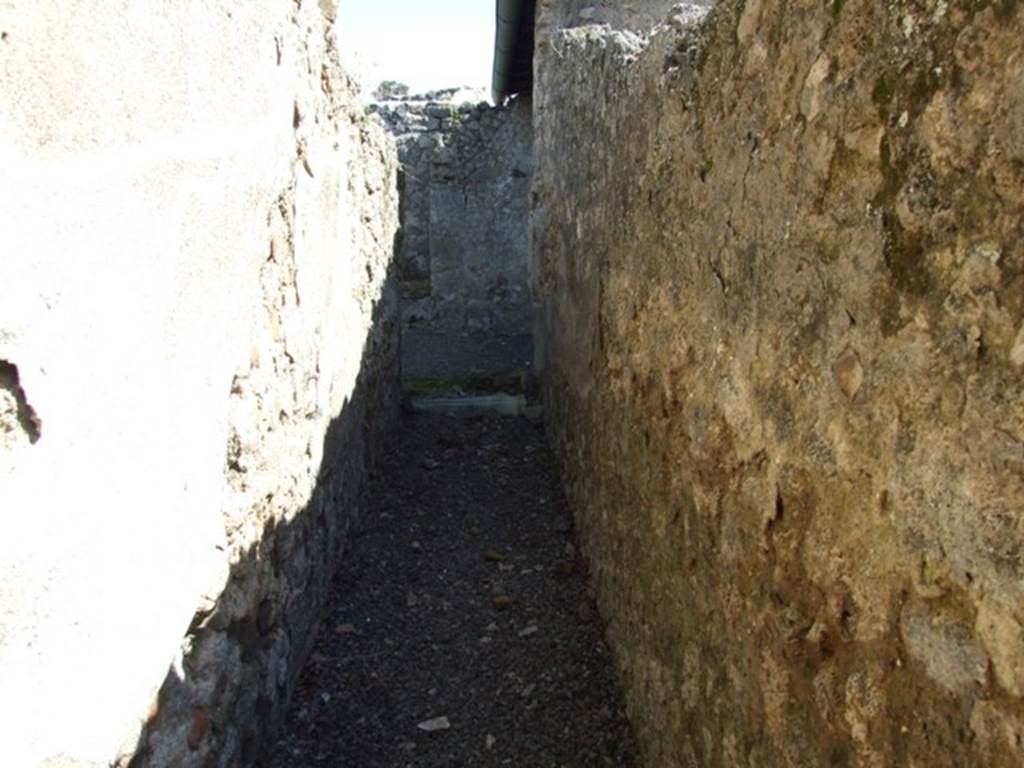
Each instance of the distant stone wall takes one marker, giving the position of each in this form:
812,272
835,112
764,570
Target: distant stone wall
628,15
198,352
780,268
463,248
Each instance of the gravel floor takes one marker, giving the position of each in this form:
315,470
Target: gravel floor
462,632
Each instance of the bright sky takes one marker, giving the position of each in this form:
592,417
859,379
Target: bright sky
427,44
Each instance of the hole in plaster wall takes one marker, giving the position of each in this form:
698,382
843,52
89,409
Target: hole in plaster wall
16,415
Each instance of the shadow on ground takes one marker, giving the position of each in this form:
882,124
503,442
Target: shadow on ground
225,695
458,629
462,630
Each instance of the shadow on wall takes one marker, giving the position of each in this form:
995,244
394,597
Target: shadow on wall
226,693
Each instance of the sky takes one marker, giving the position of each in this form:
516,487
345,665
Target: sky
427,44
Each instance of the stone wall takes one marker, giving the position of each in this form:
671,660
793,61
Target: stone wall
465,185
198,350
780,267
638,16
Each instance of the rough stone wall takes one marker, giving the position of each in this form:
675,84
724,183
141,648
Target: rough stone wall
198,352
463,248
780,269
629,15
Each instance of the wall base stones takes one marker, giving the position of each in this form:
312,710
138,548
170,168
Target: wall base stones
780,269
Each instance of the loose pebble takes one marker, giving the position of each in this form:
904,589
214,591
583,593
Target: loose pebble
434,724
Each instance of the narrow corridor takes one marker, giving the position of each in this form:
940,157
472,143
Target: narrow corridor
463,632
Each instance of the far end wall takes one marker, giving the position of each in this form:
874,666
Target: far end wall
465,181
632,15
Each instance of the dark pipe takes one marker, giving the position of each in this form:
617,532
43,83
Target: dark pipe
508,21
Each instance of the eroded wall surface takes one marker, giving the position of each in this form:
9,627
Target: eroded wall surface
638,16
465,185
780,270
198,329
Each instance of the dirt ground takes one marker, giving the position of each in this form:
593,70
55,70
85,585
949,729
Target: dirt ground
462,632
